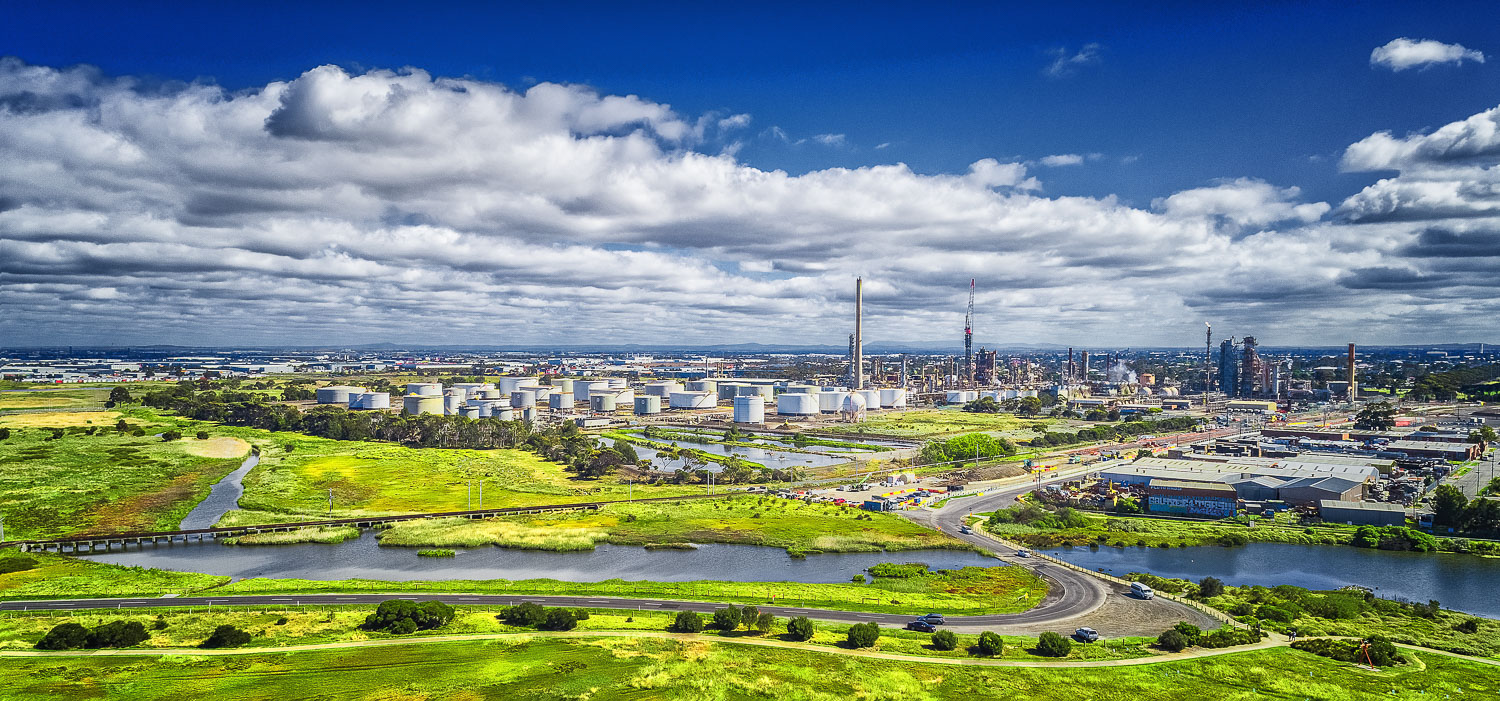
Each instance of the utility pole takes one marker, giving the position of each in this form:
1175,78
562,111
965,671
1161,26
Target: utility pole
471,496
330,503
2,529
481,494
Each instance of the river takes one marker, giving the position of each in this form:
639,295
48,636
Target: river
364,558
1460,582
224,496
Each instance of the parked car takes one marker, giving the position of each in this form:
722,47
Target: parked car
1142,591
921,626
1087,635
935,619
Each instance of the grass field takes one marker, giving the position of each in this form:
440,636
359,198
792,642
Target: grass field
1127,531
44,576
608,668
54,399
106,481
796,526
934,423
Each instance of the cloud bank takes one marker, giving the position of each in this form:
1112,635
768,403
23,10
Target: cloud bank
1403,53
396,205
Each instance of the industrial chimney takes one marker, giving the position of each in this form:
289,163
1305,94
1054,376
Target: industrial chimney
1353,384
858,371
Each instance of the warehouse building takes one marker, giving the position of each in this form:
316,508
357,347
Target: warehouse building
1457,452
1361,513
1186,498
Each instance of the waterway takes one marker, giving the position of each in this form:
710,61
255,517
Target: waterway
1461,582
364,558
770,457
224,496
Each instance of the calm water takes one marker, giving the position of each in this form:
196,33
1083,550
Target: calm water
225,496
1461,582
363,558
769,457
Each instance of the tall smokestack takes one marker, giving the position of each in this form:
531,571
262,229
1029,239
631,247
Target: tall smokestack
1070,366
1353,384
859,338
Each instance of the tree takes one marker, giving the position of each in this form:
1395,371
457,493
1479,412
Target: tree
225,636
120,395
1448,504
800,628
1380,416
1050,644
1210,587
389,616
863,635
748,616
1379,652
121,426
1172,641
688,622
559,619
4,433
727,618
523,614
203,435
944,640
765,622
117,634
171,435
64,636
990,644
1483,435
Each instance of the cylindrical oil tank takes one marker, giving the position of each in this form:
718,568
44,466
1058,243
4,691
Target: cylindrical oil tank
560,400
522,398
756,390
471,412
602,401
338,394
802,389
623,397
796,404
692,400
452,403
617,382
490,393
663,389
872,398
425,389
483,407
528,414
460,392
892,398
504,414
729,390
750,409
830,401
370,400
470,387
701,386
583,388
422,404
563,384
647,404
508,385
961,396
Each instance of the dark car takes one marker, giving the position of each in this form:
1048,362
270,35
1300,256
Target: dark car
921,626
935,619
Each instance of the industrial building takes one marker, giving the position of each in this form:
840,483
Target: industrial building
1358,513
1191,498
1294,483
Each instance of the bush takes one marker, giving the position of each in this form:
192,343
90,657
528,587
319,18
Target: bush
64,636
171,435
1189,631
161,623
1275,613
117,634
748,616
1172,641
863,634
203,435
581,614
402,627
944,640
1470,626
281,621
858,579
765,622
687,622
1210,587
423,616
894,571
225,636
523,614
1050,644
727,618
800,628
559,619
990,644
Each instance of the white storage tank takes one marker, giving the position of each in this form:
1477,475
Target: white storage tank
456,391
853,407
338,394
829,402
529,414
509,385
648,404
892,398
471,387
452,403
803,389
583,388
872,398
425,389
796,404
370,400
602,401
663,389
755,390
489,393
563,384
961,396
617,382
702,386
471,412
750,409
560,401
422,404
692,400
522,398
504,414
729,390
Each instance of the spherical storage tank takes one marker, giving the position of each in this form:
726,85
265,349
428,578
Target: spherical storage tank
750,409
648,404
602,401
853,407
692,400
893,398
338,394
729,390
370,400
797,404
425,389
422,404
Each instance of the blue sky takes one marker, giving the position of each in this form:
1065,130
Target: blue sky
1156,101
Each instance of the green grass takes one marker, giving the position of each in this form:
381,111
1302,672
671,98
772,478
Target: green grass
668,669
316,534
48,576
1125,531
61,400
106,482
936,423
437,552
783,523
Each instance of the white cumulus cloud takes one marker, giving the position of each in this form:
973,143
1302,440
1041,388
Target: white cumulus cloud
1403,53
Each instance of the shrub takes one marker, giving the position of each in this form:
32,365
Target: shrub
765,622
863,634
403,626
748,616
1470,626
117,634
523,614
581,614
161,623
1189,631
225,636
894,571
559,619
1050,644
1210,587
1274,613
727,618
858,579
171,435
203,435
800,628
64,636
1172,641
990,644
281,621
944,640
688,622
423,616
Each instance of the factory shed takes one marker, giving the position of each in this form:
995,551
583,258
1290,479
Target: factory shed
1457,452
1192,498
1308,491
1359,513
